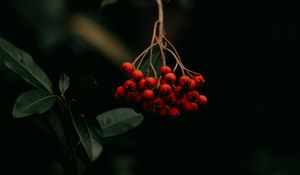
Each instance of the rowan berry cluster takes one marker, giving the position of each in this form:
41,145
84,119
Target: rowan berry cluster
166,96
157,88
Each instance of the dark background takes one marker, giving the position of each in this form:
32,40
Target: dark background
248,53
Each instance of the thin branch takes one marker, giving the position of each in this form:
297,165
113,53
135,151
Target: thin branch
173,47
143,53
177,60
160,18
161,47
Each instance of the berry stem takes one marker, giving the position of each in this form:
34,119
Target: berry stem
177,61
151,50
162,48
160,19
173,47
175,67
143,53
160,37
190,71
153,69
141,61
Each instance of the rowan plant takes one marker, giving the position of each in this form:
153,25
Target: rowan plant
156,85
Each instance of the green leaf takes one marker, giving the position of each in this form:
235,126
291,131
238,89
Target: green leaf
64,83
156,62
33,102
107,2
88,135
58,127
119,121
22,63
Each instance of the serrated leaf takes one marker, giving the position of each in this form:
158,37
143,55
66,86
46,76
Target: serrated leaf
22,63
33,102
119,121
88,135
156,62
64,83
107,2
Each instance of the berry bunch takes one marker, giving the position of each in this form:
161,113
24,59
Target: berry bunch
166,96
159,89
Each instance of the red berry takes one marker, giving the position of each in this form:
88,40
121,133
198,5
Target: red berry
127,67
193,96
192,84
165,89
148,106
187,106
170,78
190,107
120,92
164,70
158,103
150,82
163,112
162,81
138,97
179,91
130,96
141,83
199,80
173,112
130,85
184,81
137,75
202,100
181,102
195,107
170,99
148,94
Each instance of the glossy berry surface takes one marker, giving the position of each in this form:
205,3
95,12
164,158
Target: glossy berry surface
120,92
150,82
130,85
202,100
164,70
127,67
199,80
165,89
184,81
170,78
137,75
148,94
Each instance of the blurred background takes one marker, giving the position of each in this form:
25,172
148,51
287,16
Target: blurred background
248,53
